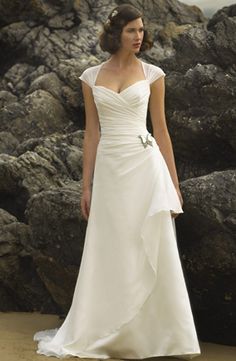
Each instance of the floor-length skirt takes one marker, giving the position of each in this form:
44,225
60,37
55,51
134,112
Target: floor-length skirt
130,299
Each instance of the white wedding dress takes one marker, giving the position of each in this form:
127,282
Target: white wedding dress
130,299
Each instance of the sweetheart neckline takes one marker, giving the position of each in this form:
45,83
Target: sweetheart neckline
113,91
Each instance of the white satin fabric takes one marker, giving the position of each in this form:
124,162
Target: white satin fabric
130,299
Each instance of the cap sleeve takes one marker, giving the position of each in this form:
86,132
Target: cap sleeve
87,76
154,73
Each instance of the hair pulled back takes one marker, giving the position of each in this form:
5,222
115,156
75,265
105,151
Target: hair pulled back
110,38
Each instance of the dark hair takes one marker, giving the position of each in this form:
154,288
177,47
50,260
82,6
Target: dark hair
109,39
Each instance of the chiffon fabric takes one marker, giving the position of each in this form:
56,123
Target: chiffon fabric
130,299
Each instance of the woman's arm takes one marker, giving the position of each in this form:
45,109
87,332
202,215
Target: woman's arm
160,130
91,136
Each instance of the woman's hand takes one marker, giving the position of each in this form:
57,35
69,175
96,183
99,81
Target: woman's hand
85,203
174,215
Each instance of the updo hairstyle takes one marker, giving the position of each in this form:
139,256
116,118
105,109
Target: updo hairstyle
120,16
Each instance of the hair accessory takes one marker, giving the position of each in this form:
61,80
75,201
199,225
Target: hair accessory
114,13
108,21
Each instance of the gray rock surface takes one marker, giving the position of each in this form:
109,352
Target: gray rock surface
45,46
20,283
57,232
8,143
208,250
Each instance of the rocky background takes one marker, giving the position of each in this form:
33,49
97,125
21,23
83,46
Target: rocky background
45,46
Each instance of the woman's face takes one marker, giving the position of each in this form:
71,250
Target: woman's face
132,35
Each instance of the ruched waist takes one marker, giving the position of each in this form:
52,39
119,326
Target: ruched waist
120,132
125,140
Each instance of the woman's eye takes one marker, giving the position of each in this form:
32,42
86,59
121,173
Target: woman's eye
133,30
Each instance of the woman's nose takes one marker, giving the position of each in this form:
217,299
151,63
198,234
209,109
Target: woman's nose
138,36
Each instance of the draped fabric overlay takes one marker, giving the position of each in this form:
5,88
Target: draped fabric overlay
130,299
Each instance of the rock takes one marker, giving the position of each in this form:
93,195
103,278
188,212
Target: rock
170,31
37,115
209,42
208,249
223,25
7,301
18,277
65,152
24,176
63,21
55,219
191,46
170,10
6,97
32,9
210,128
70,70
15,79
19,76
6,218
48,82
8,143
53,275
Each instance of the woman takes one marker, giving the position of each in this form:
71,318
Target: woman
130,300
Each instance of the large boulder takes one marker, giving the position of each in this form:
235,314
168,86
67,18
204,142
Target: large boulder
202,118
207,233
37,115
16,10
20,282
8,143
57,230
222,25
23,176
39,164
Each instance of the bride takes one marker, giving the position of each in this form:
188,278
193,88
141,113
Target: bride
130,299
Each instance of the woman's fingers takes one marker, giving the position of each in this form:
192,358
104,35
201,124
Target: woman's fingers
85,206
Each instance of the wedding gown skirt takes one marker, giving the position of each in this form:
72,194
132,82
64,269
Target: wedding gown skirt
130,299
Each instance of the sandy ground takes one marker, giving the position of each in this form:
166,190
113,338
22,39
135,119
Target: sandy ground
17,330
